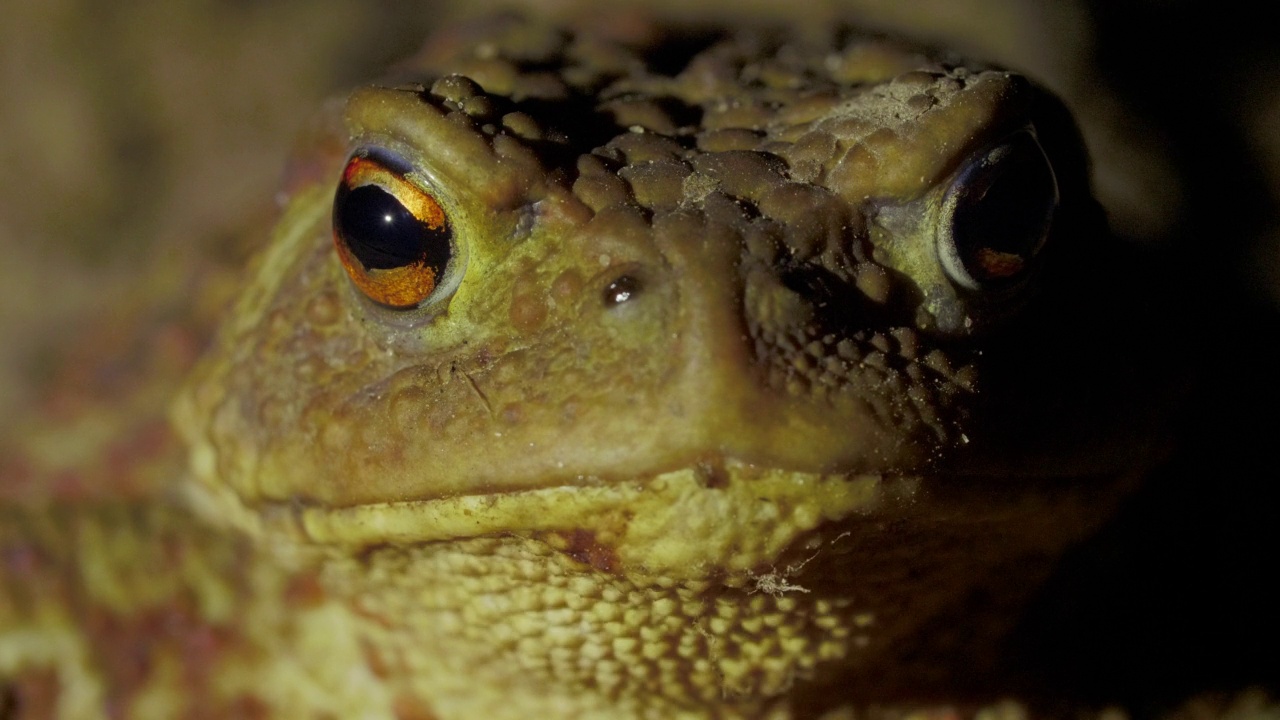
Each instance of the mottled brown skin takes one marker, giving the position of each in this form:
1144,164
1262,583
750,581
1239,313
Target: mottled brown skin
696,425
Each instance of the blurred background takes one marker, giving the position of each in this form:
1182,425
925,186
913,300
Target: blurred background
132,132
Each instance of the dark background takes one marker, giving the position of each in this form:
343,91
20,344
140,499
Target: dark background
1174,596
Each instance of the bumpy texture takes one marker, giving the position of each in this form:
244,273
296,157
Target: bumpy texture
720,407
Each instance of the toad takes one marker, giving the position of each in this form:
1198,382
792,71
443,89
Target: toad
642,372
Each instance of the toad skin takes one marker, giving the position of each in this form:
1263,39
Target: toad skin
741,360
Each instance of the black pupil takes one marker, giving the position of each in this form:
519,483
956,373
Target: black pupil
382,234
1008,209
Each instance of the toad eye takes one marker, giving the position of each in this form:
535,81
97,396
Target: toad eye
997,214
393,238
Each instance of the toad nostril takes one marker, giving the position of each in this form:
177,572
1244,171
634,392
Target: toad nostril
624,289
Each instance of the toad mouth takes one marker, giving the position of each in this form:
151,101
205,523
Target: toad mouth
673,522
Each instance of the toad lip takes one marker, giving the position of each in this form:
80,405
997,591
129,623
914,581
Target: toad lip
746,519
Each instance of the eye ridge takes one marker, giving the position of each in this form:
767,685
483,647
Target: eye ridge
392,237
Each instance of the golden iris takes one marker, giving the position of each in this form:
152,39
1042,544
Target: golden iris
393,238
